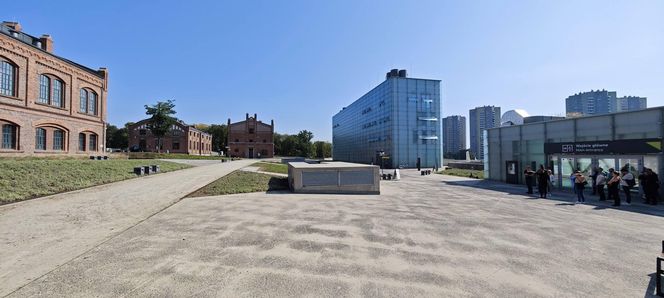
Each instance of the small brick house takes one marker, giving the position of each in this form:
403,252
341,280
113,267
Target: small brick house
49,105
251,138
181,138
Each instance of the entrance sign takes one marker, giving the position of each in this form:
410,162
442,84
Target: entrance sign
637,146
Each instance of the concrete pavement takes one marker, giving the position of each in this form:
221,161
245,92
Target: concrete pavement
38,236
424,236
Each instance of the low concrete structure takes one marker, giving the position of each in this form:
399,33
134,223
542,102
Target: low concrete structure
333,177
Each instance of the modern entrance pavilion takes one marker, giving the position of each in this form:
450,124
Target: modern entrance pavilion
608,141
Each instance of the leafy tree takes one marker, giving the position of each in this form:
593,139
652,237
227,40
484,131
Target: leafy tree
219,134
303,143
117,137
161,119
322,149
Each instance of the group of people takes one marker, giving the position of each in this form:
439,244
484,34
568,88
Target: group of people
614,181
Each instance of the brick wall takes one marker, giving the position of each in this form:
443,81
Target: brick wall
251,138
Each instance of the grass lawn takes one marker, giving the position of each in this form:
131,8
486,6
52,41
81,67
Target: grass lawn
242,182
272,167
463,173
27,178
152,155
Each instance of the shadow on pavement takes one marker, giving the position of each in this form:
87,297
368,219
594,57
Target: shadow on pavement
565,198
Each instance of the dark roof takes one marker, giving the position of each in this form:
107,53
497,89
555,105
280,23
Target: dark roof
32,41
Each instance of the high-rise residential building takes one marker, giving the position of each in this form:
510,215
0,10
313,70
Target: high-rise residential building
48,104
631,103
394,124
482,118
454,134
597,102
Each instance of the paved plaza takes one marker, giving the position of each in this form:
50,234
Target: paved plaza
424,236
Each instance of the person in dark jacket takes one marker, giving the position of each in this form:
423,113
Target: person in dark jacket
614,190
542,181
651,188
530,177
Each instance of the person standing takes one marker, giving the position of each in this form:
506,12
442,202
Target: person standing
529,179
652,187
627,182
551,178
542,181
613,185
600,182
580,183
572,179
593,179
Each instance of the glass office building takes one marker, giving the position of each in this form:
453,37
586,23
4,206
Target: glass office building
400,119
630,140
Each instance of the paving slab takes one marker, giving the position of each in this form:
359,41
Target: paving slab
431,236
38,236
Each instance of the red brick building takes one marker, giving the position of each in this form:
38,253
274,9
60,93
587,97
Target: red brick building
251,138
181,138
48,104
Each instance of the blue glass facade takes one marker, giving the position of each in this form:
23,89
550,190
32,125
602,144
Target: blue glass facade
401,117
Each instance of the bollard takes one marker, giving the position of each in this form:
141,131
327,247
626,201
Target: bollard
384,176
147,170
105,157
389,176
421,173
98,157
138,171
92,157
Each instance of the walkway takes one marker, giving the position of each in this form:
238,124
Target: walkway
38,236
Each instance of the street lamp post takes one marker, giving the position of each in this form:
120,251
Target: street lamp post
381,153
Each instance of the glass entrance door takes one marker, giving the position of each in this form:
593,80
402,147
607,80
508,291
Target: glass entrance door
567,167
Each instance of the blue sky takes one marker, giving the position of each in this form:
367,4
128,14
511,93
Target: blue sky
300,62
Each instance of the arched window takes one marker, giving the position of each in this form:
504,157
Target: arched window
40,139
81,142
84,101
9,133
93,142
44,89
58,140
7,78
58,94
92,105
88,102
51,90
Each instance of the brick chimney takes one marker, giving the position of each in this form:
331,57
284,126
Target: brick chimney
104,73
46,43
14,25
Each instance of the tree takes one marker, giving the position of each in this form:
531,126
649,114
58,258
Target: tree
322,149
111,130
303,145
161,119
219,134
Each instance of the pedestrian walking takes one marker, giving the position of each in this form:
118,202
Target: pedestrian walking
529,179
542,181
600,182
613,185
651,182
627,182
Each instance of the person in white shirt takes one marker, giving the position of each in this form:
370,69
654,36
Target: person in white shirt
627,182
600,182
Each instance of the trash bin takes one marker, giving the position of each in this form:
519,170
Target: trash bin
92,157
138,171
155,168
384,176
421,173
389,176
98,157
147,170
105,157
